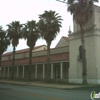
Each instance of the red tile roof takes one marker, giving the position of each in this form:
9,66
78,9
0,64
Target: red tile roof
66,38
23,50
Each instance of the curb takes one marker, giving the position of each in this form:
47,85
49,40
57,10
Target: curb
35,85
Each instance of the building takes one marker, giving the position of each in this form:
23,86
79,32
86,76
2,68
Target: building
64,58
92,46
59,62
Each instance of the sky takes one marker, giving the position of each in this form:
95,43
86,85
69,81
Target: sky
27,10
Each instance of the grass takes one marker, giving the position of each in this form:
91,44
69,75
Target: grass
60,83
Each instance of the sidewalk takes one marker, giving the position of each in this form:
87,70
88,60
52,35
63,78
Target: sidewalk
40,84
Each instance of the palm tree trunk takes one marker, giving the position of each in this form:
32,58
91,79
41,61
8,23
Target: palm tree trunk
30,64
13,63
84,74
48,61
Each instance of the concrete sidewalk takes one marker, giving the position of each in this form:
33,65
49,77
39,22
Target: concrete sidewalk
40,84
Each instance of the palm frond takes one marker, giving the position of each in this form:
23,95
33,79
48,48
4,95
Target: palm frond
95,0
49,25
81,10
31,32
70,1
4,40
14,31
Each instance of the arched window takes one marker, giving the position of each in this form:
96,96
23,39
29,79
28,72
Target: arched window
80,52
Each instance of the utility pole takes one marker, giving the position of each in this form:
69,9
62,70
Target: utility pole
63,1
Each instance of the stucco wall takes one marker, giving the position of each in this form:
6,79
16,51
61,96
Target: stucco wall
75,70
40,48
62,43
92,45
97,17
97,45
37,53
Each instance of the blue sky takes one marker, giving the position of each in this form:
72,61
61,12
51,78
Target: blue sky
26,10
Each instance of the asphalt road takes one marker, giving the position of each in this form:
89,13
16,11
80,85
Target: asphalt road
20,92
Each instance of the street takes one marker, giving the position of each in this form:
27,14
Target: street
21,92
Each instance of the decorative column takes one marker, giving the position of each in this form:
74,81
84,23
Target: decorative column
23,71
61,69
52,71
17,71
35,71
8,72
43,71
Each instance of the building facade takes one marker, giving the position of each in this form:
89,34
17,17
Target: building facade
64,58
92,46
59,58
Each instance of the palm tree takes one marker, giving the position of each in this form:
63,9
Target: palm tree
82,11
4,42
14,33
49,25
31,33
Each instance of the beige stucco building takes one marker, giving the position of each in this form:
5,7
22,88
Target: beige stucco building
59,60
64,58
92,46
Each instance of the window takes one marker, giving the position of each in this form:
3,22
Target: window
57,71
80,52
